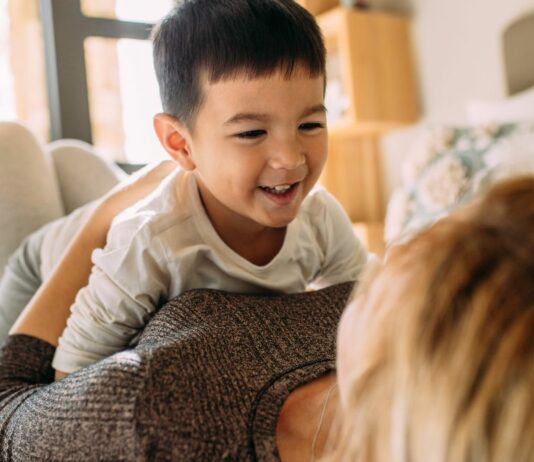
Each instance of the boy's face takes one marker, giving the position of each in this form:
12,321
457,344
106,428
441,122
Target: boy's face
257,148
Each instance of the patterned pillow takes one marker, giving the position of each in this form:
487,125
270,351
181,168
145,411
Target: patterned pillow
447,167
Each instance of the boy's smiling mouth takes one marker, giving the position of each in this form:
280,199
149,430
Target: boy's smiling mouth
282,194
278,189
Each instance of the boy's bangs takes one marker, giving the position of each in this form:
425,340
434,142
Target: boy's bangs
259,41
262,59
225,39
287,68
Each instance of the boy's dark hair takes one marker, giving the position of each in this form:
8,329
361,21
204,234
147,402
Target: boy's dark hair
221,38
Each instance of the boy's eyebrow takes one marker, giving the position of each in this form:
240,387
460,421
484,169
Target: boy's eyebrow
259,117
314,109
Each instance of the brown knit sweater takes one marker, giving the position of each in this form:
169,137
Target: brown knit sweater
205,383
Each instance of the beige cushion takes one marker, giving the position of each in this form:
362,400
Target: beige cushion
395,148
446,167
40,184
517,108
29,195
82,175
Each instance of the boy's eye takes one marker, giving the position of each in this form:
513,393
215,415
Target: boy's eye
251,134
309,126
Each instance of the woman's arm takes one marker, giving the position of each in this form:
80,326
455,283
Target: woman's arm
46,315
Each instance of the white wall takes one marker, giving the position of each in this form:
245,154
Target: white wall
458,51
457,46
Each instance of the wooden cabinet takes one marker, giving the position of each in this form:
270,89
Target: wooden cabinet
371,90
369,53
352,170
317,6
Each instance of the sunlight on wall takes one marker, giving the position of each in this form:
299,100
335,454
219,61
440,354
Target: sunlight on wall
139,90
7,90
141,10
140,101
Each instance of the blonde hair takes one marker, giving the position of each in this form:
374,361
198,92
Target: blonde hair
443,360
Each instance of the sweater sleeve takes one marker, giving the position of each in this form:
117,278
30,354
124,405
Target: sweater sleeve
24,362
86,416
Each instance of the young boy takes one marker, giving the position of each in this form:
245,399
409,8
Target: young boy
242,85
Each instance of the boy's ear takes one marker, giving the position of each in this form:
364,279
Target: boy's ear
172,135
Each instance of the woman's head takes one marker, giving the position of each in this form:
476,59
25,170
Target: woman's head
436,358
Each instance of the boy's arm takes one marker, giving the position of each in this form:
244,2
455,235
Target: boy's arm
46,314
126,284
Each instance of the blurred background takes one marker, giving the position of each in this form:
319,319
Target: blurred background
121,86
83,69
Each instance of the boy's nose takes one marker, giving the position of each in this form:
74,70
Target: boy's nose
288,156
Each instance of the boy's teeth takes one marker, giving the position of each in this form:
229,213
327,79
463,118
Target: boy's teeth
281,188
278,188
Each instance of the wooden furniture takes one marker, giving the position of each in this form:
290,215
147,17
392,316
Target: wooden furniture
376,63
352,171
317,6
370,64
371,233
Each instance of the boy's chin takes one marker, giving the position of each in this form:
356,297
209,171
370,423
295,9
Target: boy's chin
278,222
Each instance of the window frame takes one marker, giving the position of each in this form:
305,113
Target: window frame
65,28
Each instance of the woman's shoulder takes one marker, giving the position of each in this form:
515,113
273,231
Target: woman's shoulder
154,217
213,356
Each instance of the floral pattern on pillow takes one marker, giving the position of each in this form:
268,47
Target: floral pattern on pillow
446,167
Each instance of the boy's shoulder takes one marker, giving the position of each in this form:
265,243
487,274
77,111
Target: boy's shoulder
320,204
168,206
322,216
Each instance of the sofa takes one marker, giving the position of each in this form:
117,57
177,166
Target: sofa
40,183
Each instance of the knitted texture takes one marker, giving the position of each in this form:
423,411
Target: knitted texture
206,382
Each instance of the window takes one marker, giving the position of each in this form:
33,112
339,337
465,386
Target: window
122,94
127,10
101,81
123,98
22,80
7,88
122,88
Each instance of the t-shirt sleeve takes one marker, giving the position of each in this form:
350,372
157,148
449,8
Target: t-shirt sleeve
128,281
345,256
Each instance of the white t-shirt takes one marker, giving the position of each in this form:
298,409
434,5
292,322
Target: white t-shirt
58,235
166,245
